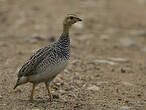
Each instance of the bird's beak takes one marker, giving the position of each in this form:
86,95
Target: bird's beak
15,86
79,19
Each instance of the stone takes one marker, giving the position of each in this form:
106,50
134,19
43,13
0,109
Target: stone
102,62
119,59
126,70
35,109
93,88
125,108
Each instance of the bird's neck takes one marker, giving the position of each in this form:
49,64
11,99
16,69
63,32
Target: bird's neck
66,28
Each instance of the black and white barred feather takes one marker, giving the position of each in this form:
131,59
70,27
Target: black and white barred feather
49,55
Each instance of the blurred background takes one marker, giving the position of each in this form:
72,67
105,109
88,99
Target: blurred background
107,70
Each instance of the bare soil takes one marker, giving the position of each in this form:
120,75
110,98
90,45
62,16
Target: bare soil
93,80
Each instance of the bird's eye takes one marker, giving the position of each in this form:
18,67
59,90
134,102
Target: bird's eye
71,17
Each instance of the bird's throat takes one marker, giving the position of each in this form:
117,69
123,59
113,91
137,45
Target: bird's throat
66,29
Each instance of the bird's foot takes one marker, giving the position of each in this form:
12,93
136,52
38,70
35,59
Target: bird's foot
31,99
51,97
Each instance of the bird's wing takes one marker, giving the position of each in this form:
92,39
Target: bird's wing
29,67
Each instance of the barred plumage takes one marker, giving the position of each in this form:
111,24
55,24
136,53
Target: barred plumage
48,55
47,62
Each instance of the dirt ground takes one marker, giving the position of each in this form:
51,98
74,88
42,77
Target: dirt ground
107,69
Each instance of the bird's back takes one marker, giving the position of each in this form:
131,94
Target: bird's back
48,59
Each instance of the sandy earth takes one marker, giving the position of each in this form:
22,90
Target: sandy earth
107,70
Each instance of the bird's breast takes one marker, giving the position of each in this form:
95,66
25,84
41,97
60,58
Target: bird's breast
50,72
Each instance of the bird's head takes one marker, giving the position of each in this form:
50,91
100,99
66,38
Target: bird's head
71,19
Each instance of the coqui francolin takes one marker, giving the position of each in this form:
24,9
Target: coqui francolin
46,63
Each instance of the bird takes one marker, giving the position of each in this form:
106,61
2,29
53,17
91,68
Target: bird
47,62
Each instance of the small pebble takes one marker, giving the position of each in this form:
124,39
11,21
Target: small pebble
62,92
125,108
93,88
3,104
123,70
35,109
66,70
58,84
74,62
126,70
119,99
55,96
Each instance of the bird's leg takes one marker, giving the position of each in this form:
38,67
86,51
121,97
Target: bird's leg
49,93
32,92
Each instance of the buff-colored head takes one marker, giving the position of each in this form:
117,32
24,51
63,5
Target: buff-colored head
71,19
